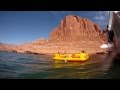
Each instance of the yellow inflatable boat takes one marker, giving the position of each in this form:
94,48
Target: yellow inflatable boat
70,57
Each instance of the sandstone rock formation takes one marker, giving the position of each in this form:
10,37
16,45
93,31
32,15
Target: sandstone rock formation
74,28
76,33
72,35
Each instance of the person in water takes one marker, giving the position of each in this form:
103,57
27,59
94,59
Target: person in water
58,54
83,51
83,54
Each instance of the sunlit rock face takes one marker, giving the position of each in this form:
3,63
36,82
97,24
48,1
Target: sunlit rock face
74,28
80,33
72,35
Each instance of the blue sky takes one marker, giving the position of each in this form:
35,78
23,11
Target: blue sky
17,27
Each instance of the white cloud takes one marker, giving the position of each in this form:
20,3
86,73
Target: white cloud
102,22
100,17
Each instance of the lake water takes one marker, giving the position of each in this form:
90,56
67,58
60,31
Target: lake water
28,66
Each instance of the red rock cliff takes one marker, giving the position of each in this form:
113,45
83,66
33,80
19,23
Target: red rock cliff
74,28
72,35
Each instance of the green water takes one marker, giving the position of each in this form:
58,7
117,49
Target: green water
28,66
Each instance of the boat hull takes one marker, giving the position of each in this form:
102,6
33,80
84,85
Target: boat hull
71,59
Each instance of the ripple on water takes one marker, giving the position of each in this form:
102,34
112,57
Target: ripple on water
30,66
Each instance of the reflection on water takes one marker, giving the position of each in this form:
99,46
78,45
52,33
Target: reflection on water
63,64
28,66
76,70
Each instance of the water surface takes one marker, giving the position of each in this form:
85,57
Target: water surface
29,66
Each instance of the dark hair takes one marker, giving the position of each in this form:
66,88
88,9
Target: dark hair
107,26
83,51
